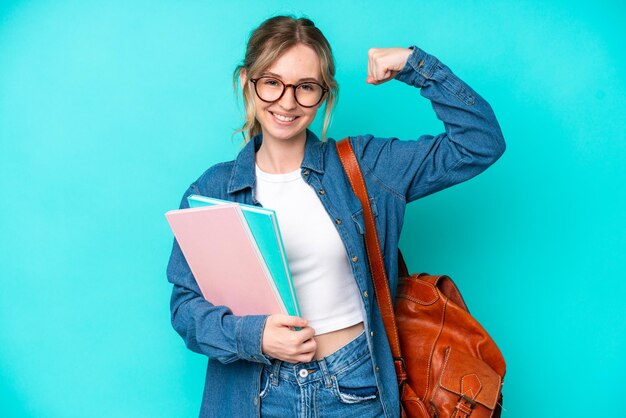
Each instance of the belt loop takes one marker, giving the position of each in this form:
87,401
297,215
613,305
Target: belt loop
276,372
325,373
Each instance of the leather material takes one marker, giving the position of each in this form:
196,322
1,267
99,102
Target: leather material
447,365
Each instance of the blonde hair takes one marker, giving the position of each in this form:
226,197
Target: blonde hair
266,44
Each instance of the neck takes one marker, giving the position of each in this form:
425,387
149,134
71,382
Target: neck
279,156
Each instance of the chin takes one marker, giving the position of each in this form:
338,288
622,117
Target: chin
285,134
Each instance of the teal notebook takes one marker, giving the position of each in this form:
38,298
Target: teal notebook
264,227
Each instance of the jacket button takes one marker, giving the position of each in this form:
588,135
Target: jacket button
355,258
365,293
371,333
377,369
322,191
303,373
305,172
338,221
420,64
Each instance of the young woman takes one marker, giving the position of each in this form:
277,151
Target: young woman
339,363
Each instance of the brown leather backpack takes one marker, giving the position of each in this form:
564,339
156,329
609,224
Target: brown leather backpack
446,363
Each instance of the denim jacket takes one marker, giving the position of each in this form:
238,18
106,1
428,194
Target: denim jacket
396,172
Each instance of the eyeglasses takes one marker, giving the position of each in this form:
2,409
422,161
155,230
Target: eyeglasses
270,89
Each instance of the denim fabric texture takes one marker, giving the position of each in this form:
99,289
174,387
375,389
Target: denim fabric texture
396,172
342,385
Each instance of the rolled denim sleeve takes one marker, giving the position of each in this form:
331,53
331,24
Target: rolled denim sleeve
471,141
206,328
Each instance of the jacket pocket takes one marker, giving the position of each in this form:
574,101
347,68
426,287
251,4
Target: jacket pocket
359,219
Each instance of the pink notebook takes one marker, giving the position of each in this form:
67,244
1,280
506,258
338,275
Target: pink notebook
224,259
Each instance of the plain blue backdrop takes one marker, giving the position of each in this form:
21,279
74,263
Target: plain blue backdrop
110,109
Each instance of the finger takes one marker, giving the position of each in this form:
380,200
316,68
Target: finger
373,58
378,72
380,69
375,81
375,70
383,74
309,346
376,67
305,358
289,321
307,352
305,334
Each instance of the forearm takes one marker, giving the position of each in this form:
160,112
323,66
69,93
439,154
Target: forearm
214,330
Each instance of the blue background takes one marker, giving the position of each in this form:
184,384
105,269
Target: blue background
109,110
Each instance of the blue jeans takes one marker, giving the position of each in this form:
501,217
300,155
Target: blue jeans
341,385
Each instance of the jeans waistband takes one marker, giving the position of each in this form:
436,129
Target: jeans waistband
323,368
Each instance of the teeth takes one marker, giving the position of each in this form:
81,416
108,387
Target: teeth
283,118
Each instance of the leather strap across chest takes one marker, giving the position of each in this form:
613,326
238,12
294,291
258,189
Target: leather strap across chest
374,254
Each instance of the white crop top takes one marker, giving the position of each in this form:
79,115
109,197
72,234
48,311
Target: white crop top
325,287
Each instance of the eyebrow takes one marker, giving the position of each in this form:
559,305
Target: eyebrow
302,79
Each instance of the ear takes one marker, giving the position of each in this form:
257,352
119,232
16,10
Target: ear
243,78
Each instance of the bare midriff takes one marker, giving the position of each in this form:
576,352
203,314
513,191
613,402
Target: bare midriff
332,341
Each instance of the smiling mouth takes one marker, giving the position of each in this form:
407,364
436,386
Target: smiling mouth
282,118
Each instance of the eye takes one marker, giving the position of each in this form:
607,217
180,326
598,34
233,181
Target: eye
307,87
271,82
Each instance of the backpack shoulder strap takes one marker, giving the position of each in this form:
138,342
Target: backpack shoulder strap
374,254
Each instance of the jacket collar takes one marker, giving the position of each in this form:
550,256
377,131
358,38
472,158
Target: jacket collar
243,174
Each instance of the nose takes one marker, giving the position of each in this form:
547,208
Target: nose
288,101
